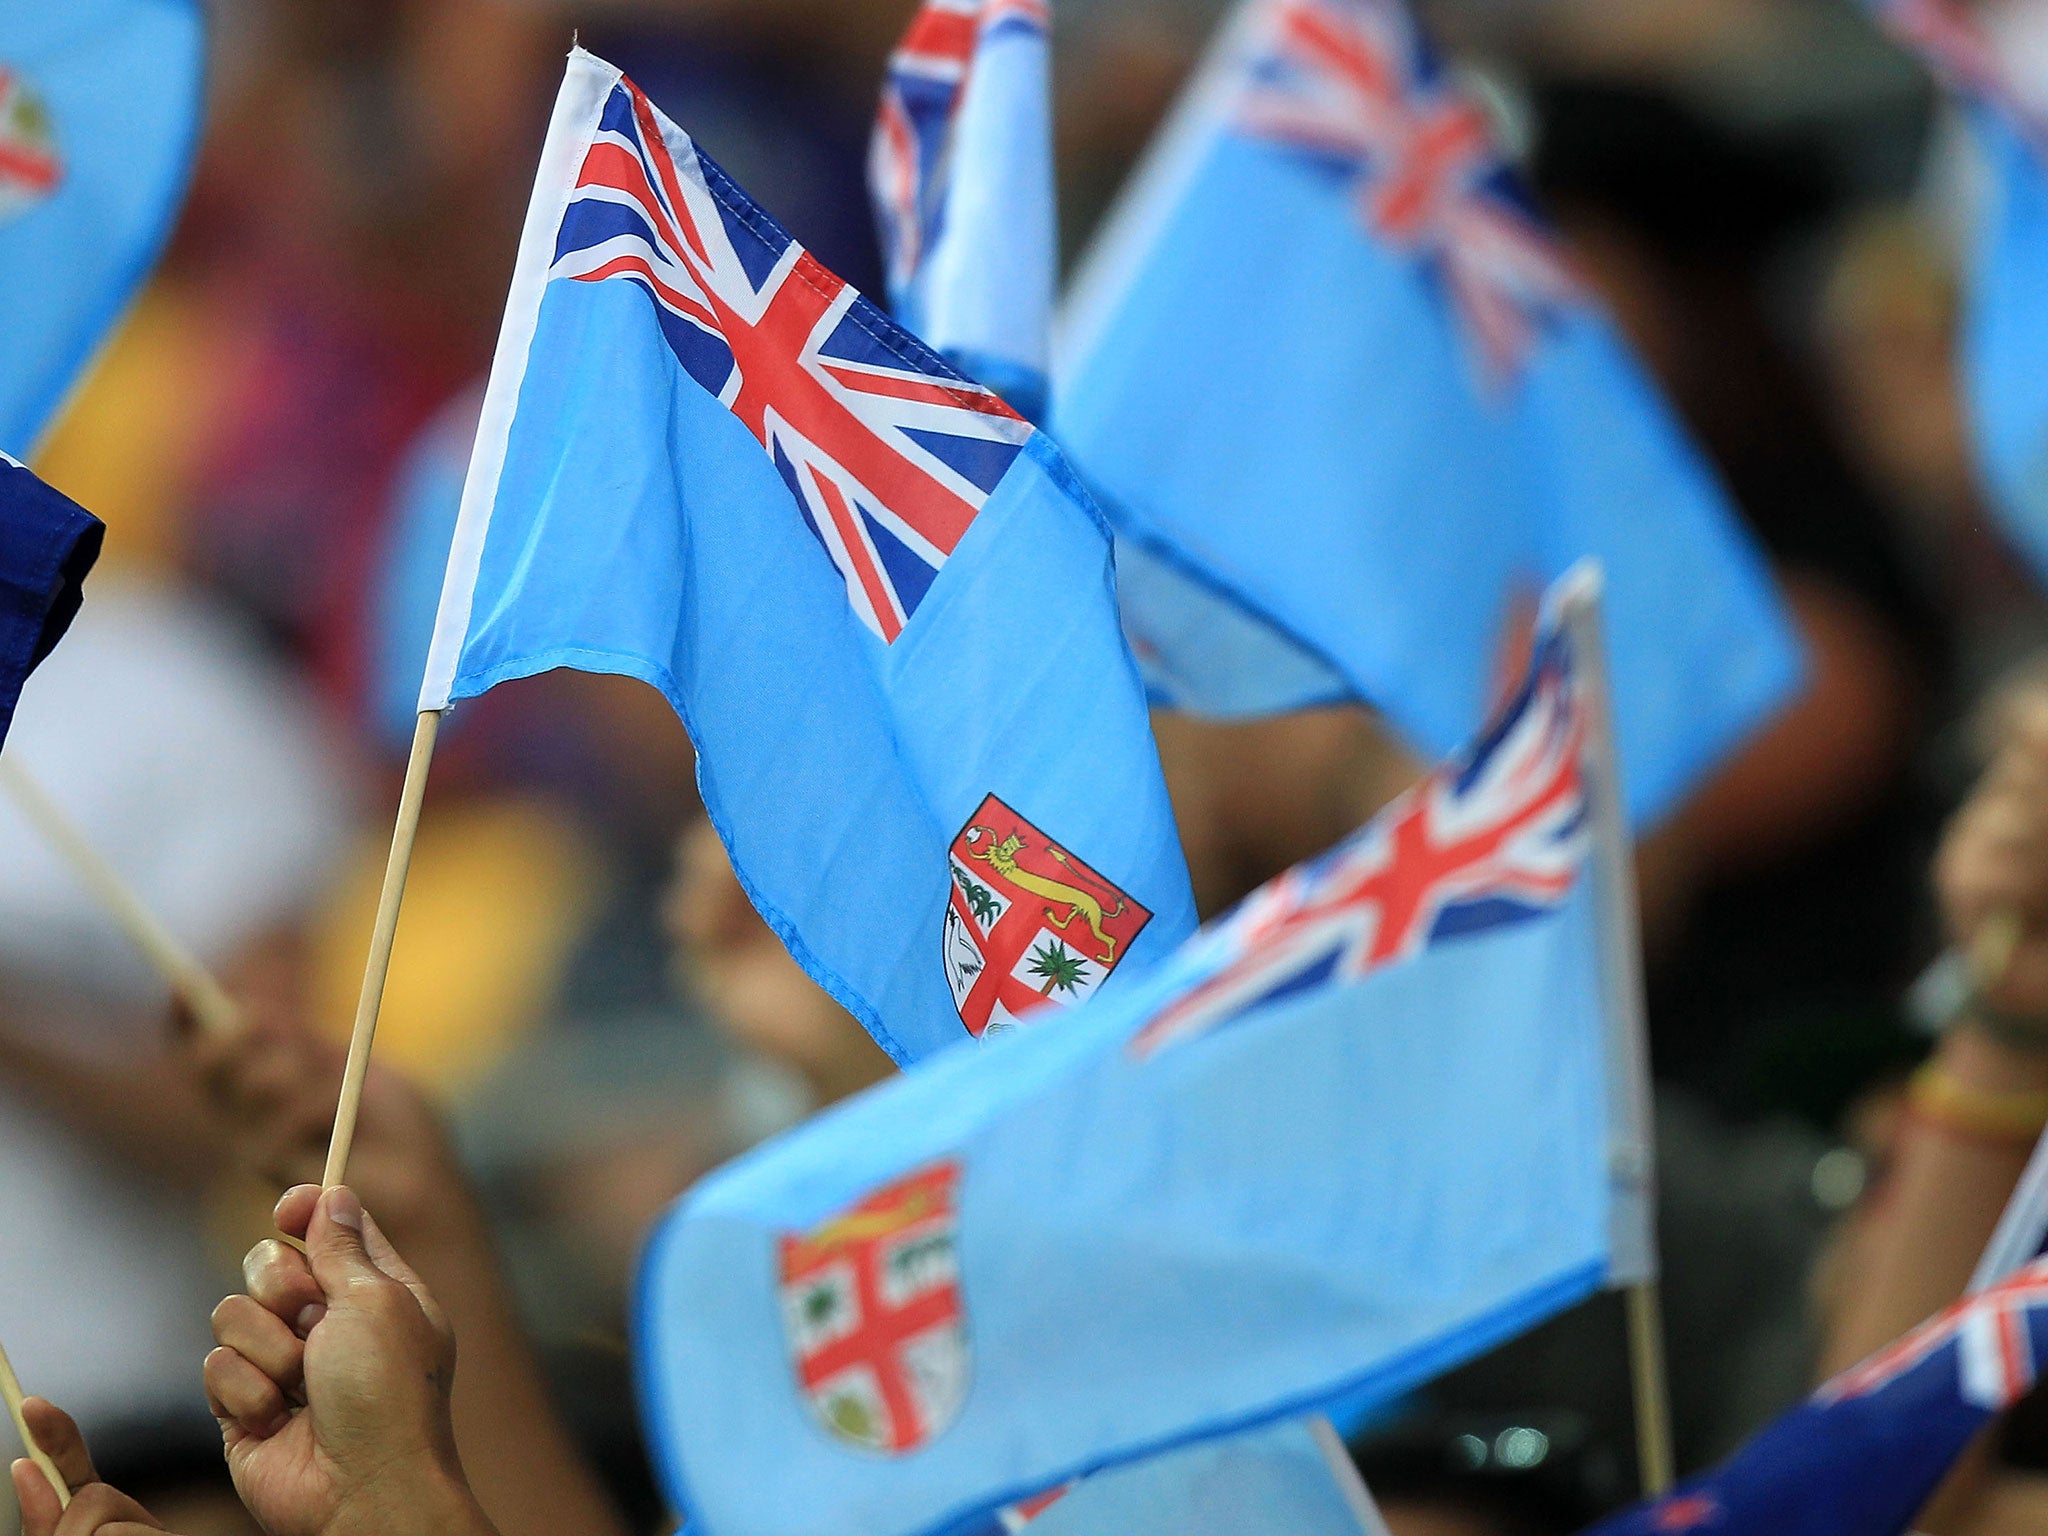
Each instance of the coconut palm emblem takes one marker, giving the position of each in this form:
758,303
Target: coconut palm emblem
29,167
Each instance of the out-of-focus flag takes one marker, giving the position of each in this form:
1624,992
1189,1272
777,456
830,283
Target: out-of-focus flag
99,116
1356,1133
1293,1478
961,172
1326,362
878,598
47,544
2007,314
1864,1454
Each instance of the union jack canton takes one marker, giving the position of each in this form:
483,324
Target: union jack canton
1495,836
1866,1452
888,451
1354,86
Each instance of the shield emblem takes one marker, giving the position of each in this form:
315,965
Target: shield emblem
871,1306
29,167
1028,924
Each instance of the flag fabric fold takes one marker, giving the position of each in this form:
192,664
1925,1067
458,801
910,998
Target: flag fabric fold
100,105
1326,361
879,600
1355,1133
960,169
47,545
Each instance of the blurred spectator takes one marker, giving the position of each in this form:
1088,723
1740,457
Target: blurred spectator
209,783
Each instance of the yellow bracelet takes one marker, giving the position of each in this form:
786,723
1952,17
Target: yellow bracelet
1939,1098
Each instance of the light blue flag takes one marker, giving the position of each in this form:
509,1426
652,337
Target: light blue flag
1326,362
1287,1479
961,172
2005,329
880,602
2006,318
99,117
1363,1129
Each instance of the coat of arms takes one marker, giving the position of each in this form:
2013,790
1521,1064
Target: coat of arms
871,1304
29,167
1027,923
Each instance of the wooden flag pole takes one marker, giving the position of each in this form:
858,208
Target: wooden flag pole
10,1388
1647,1373
193,984
1631,1153
381,937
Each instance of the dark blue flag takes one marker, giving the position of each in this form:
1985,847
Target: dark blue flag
1863,1454
47,544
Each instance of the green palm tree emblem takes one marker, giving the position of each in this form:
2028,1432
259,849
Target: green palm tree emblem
1057,965
979,899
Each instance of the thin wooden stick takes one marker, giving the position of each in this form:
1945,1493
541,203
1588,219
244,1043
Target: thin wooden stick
1633,1263
189,979
381,937
1654,1452
10,1388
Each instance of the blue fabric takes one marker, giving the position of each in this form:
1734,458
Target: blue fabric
425,504
47,544
961,175
1267,395
639,527
2007,315
1864,1462
1316,1186
1270,1482
99,109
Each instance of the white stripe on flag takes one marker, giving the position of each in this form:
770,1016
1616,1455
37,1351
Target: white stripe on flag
578,109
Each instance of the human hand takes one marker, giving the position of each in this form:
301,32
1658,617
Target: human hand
273,1088
96,1509
331,1384
1992,871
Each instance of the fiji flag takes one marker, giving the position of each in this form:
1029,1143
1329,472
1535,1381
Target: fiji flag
877,597
2007,317
99,115
47,544
1329,369
961,172
1353,1135
1864,1454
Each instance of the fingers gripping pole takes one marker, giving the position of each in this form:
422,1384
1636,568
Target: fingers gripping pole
381,936
192,982
10,1388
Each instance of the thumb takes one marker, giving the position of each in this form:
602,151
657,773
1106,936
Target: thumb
335,1246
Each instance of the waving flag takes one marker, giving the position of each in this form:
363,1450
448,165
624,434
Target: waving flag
1869,1449
878,599
1354,1134
47,544
961,172
1326,363
2007,311
99,115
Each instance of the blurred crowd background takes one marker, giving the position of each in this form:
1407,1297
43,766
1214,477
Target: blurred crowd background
1766,193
